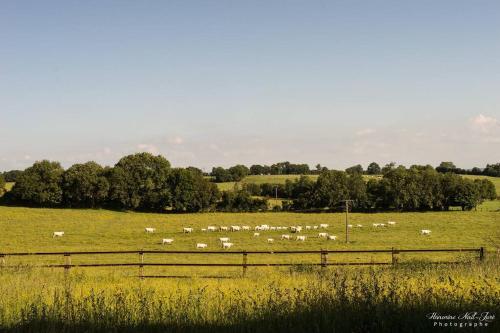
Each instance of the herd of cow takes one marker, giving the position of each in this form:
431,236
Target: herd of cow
226,244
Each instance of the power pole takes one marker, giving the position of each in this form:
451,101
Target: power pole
346,202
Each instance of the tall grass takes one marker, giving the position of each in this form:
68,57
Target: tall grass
387,299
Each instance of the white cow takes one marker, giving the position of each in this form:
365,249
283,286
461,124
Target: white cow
315,227
57,234
256,234
272,228
295,229
323,235
376,225
391,223
201,246
270,240
203,229
235,228
308,227
285,236
187,230
301,238
359,225
211,228
383,225
349,225
227,245
264,227
167,241
222,228
245,227
323,226
332,237
150,230
426,232
224,239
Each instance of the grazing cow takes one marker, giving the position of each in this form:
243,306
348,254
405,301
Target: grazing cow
349,225
235,228
264,227
257,228
323,226
284,228
391,223
315,227
211,228
295,229
223,228
187,230
359,226
285,236
167,241
426,232
301,238
382,225
279,228
256,234
272,228
203,229
308,227
201,246
376,224
224,239
57,234
323,234
150,230
270,240
245,227
227,245
332,237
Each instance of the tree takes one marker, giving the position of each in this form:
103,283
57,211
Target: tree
2,185
191,192
445,167
257,169
85,185
221,175
39,185
241,201
356,169
492,170
238,172
373,169
388,167
330,188
11,176
140,181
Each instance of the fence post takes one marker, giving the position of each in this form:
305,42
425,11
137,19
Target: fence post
394,258
323,258
141,267
245,261
481,253
67,263
2,260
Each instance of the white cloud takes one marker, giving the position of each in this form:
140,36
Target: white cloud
484,123
149,148
177,140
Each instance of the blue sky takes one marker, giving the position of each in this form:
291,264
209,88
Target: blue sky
209,83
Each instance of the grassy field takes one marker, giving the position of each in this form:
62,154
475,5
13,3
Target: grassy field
288,299
266,300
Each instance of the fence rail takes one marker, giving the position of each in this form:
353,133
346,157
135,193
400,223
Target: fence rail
244,265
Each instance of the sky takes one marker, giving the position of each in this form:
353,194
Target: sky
219,83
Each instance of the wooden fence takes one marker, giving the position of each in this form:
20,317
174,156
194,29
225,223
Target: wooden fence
323,254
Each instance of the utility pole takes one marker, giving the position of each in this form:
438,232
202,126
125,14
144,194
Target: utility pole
346,202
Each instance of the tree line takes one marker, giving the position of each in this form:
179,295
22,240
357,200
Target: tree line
141,182
144,182
418,188
238,172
